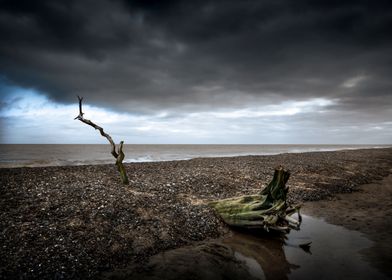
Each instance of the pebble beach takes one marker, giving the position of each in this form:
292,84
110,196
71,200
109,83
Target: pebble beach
80,221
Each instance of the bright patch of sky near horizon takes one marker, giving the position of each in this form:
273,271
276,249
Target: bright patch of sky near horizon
28,116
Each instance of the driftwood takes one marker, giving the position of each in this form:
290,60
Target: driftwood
268,209
118,155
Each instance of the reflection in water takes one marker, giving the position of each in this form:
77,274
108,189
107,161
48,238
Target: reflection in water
335,252
259,255
265,251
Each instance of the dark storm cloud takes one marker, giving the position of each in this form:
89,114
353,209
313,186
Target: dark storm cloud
125,54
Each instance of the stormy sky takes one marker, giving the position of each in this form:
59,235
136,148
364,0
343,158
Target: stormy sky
197,71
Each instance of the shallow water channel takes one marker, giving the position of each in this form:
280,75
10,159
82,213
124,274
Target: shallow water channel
335,253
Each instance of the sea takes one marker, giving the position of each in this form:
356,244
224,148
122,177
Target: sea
34,155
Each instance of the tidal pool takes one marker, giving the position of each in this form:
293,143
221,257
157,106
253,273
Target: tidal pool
334,253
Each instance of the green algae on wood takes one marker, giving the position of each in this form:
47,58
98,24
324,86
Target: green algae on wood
268,209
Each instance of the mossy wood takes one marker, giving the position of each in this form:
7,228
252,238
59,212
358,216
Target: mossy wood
268,209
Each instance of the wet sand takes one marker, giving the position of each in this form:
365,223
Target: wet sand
80,221
334,253
369,210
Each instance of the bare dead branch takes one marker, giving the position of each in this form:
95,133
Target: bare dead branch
80,107
119,164
90,123
118,156
120,152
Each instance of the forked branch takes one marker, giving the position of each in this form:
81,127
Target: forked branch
119,156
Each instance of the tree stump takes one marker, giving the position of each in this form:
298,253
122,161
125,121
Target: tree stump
268,209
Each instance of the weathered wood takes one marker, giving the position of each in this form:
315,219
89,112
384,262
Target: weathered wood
268,209
120,166
119,156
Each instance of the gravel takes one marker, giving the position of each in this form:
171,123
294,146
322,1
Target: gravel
79,221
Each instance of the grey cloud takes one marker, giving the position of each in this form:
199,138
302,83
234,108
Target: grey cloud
191,55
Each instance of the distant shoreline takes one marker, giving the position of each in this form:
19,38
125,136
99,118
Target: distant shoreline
37,155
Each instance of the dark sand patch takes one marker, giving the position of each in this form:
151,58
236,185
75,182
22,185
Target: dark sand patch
369,210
